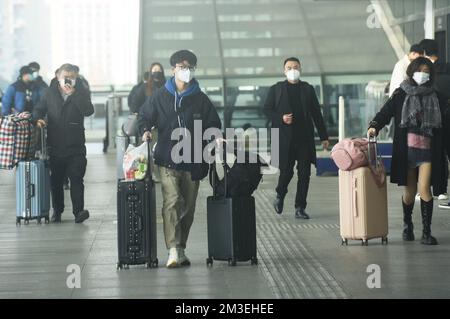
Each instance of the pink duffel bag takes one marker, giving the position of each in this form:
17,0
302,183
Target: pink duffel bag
350,154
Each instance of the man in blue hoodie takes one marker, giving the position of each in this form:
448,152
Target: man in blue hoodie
20,96
174,108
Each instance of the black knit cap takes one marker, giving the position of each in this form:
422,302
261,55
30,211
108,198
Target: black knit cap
34,66
181,56
25,70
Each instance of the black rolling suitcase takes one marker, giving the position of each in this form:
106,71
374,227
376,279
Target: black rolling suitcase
136,222
231,226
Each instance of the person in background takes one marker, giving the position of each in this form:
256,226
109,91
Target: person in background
155,79
19,96
170,109
140,88
399,73
441,85
39,85
65,104
292,107
420,117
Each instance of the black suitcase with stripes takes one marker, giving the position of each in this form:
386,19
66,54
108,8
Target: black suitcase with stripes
136,223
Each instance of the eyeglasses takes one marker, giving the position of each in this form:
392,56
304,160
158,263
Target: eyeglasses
185,67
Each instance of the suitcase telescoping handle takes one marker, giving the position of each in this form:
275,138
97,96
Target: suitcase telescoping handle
44,154
149,154
372,152
213,172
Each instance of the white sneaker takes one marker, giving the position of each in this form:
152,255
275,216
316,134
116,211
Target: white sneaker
182,258
173,261
417,197
444,206
443,197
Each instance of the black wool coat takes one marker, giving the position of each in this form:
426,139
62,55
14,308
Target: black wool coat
439,142
275,107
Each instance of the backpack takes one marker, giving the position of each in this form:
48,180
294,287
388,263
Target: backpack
241,180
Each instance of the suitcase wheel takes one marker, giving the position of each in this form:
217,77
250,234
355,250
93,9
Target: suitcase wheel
384,241
232,262
18,222
121,266
152,264
364,242
254,261
344,242
209,262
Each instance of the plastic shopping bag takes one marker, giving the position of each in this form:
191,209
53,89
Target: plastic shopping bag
135,162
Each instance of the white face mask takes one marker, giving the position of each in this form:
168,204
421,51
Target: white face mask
293,75
185,76
421,77
35,75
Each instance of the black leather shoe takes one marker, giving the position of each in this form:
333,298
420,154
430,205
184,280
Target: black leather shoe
81,216
278,204
56,218
301,214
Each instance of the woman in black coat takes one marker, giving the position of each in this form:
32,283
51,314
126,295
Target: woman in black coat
418,157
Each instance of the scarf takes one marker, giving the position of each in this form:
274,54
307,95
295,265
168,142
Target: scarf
420,109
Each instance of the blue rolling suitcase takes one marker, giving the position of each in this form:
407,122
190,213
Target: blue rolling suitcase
33,188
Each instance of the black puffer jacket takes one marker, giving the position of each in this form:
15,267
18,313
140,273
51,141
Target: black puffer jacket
65,119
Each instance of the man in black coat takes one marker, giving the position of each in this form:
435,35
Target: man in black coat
294,109
65,105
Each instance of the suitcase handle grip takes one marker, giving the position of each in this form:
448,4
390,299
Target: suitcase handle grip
355,197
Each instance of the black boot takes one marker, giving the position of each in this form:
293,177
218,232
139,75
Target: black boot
278,204
427,215
300,213
56,217
408,227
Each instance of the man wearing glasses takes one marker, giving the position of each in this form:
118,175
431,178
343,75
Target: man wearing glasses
174,109
293,108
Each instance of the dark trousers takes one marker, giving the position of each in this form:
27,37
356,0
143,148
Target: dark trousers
74,168
303,172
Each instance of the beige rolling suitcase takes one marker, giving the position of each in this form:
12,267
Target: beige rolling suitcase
363,202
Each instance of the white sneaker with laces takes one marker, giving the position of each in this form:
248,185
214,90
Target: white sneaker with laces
173,261
182,258
443,197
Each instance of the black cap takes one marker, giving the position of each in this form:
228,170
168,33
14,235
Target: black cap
35,66
25,70
417,49
183,55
